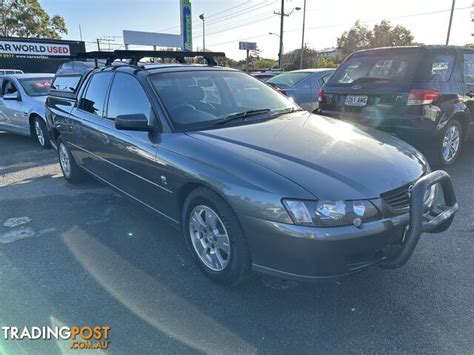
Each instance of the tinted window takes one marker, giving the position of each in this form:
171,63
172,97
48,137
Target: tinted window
36,87
198,99
441,66
469,68
376,66
94,99
288,79
66,83
127,97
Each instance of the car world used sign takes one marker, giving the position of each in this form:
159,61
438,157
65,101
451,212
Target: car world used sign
34,49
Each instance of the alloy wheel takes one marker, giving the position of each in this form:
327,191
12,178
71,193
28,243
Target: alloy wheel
451,143
39,133
64,160
209,238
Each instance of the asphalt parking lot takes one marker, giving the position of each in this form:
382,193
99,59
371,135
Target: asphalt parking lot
82,255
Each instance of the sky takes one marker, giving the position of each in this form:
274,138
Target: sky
231,21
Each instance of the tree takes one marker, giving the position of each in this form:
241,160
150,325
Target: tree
383,34
358,37
26,18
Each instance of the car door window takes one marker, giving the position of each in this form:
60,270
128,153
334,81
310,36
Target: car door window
9,87
441,67
469,68
127,97
94,99
322,80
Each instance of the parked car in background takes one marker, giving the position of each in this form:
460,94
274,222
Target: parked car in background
22,105
265,74
422,94
302,85
10,71
319,197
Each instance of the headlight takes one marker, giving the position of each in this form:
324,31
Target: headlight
331,213
430,195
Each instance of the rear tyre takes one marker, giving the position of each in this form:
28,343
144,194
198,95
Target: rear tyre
449,143
40,133
215,238
71,171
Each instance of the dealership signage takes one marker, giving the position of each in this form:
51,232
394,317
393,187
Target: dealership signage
34,49
186,25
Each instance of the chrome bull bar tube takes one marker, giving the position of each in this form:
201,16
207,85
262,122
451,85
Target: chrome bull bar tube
421,222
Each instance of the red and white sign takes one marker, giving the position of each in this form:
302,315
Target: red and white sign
32,48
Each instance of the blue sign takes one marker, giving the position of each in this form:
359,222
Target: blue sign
186,25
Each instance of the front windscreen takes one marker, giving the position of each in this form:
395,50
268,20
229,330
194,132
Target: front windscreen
36,87
198,99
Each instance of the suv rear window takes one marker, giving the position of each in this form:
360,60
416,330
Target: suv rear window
386,66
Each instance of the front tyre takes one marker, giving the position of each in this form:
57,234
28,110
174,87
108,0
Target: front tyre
41,133
71,171
215,238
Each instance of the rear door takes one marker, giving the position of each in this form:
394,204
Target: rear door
86,139
372,85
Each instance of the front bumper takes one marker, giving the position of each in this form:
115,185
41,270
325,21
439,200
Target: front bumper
308,253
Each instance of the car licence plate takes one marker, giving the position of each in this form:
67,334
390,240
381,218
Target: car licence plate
356,100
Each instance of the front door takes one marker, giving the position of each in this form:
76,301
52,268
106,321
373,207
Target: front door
13,115
128,158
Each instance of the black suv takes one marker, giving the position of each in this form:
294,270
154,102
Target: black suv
422,94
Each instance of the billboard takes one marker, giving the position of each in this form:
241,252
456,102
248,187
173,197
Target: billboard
251,46
186,25
151,39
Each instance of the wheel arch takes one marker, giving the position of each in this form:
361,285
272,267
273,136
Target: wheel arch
463,119
31,119
185,190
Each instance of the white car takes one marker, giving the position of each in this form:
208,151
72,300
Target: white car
22,105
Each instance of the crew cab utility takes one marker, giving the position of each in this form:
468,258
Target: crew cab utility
253,181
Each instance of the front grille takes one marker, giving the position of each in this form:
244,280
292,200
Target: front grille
397,199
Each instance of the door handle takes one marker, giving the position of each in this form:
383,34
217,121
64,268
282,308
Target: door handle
104,138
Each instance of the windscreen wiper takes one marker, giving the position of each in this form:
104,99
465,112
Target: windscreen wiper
241,115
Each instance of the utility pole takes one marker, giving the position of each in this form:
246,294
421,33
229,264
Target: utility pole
98,44
282,16
201,16
302,35
450,21
80,31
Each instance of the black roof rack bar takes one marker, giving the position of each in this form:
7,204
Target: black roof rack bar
136,55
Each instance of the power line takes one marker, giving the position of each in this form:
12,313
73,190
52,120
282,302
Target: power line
385,18
239,25
346,24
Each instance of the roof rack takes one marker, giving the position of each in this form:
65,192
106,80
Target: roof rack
136,55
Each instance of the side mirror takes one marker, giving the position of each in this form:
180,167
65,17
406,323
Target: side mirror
13,96
132,122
